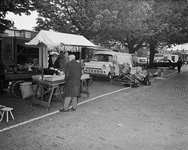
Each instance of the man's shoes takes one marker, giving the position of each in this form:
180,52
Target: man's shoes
73,109
64,110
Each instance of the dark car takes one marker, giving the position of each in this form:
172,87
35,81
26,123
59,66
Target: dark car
142,61
165,63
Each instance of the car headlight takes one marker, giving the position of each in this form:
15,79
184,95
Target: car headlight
103,67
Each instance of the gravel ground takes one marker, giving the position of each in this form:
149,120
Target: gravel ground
145,118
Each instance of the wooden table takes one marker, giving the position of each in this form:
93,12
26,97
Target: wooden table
45,90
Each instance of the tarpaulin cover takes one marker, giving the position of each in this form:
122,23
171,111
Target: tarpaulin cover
50,38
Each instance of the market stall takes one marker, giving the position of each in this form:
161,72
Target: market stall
49,40
18,62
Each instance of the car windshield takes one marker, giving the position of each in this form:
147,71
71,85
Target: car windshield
102,57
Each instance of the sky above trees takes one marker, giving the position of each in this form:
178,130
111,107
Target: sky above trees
24,22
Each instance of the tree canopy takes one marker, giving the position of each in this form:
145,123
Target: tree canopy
69,16
105,22
166,24
124,21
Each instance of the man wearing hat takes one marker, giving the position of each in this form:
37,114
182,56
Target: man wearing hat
53,61
53,64
73,74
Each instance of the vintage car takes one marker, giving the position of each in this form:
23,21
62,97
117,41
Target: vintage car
165,63
107,64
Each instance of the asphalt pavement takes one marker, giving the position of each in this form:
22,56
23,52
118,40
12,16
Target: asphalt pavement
114,117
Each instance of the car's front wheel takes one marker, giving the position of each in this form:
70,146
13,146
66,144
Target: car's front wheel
171,67
110,76
15,90
89,81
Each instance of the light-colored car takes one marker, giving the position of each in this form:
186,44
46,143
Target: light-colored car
107,64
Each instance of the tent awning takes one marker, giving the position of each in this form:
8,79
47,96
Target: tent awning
53,39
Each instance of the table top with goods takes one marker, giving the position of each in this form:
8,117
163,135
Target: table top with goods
56,77
49,77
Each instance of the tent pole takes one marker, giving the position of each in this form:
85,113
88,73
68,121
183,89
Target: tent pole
42,66
80,55
41,48
42,63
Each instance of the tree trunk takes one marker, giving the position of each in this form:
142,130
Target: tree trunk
152,54
131,50
133,47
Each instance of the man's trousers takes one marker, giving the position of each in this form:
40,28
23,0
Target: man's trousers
68,101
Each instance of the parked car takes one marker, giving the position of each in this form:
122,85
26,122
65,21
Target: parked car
143,61
107,64
165,63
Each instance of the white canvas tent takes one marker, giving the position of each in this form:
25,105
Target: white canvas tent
63,41
50,38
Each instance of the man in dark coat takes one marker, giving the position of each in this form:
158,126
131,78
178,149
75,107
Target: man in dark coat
63,61
179,64
72,83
